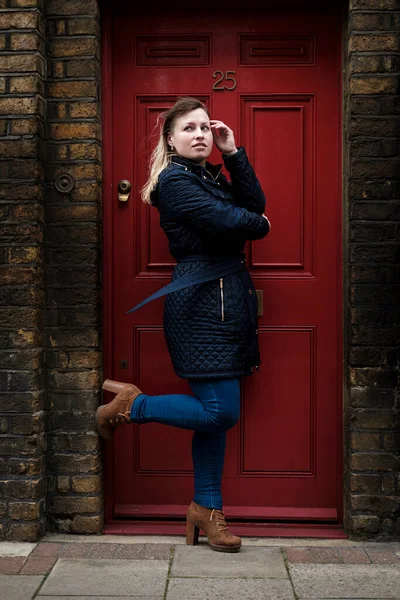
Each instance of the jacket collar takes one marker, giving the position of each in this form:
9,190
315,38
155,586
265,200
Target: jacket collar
213,170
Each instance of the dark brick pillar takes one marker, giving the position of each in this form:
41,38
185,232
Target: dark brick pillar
373,132
22,443
73,265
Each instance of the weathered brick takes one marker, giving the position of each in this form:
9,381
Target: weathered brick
365,441
24,41
24,511
66,131
74,380
74,339
31,489
72,505
373,376
364,64
22,532
374,42
27,84
86,151
374,85
27,424
63,484
370,21
83,110
83,26
22,401
25,338
22,466
27,127
75,463
374,126
24,3
74,234
74,47
376,211
81,524
18,148
86,485
72,89
382,461
20,62
72,7
19,20
82,68
374,419
373,4
364,524
77,171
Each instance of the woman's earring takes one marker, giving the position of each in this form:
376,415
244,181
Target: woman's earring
172,148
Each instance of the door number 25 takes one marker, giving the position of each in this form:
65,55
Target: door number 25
224,77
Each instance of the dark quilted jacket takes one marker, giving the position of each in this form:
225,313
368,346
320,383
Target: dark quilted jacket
211,334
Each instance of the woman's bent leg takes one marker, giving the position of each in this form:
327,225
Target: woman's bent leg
214,408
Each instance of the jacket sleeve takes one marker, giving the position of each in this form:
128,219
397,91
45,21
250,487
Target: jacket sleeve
245,187
190,203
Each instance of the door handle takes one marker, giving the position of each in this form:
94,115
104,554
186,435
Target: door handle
124,188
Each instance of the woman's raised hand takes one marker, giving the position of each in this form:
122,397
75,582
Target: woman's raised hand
223,136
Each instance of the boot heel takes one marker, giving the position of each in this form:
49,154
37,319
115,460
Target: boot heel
192,533
113,386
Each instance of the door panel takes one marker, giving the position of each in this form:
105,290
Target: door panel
275,79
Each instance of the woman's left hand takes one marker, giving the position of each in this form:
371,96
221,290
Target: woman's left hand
223,136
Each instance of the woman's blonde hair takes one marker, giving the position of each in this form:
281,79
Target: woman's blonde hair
162,154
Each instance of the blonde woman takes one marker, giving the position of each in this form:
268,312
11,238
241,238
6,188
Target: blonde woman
210,312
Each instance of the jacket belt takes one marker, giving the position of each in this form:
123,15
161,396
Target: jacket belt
207,273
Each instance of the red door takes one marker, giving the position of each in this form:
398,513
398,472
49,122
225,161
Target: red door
275,79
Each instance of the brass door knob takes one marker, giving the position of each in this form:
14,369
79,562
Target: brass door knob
124,188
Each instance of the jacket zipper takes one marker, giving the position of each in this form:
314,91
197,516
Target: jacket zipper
221,289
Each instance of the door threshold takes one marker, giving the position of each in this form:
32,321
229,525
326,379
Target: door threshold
284,530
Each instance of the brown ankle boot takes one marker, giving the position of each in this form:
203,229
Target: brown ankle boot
212,522
118,411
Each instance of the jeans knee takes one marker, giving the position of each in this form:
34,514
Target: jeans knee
225,419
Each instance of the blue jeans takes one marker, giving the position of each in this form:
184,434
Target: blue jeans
214,408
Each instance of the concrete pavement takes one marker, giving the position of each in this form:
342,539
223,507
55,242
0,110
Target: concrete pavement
164,568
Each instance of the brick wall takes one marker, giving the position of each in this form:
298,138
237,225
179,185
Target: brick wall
22,417
373,164
73,265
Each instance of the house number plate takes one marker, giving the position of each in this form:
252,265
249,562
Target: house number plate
222,79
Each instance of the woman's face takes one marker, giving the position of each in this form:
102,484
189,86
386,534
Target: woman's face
191,136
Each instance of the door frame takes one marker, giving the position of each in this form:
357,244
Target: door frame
297,529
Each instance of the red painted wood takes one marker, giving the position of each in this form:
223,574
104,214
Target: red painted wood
286,450
258,513
281,530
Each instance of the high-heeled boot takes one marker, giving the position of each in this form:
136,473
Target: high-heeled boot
118,411
212,522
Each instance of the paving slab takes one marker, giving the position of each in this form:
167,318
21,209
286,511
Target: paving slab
201,561
14,587
103,597
103,577
16,548
229,589
346,581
